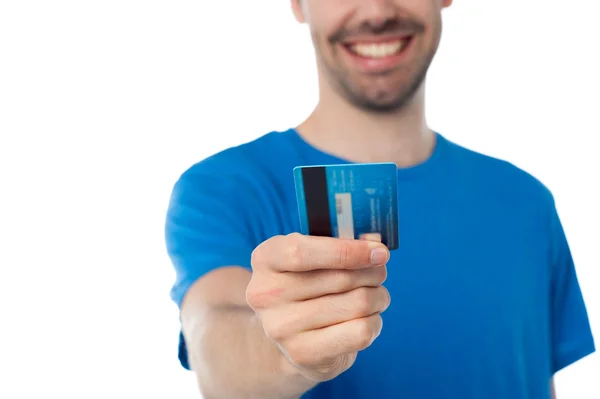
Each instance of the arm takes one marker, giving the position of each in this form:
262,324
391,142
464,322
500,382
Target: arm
228,350
572,338
207,228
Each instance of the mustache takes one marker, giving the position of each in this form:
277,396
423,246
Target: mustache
387,27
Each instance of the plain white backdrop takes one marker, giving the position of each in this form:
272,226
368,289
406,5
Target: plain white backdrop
104,103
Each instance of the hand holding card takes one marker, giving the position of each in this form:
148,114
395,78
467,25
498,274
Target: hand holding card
319,299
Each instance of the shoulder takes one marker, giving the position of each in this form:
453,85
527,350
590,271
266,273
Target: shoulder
220,194
502,177
238,167
242,186
235,161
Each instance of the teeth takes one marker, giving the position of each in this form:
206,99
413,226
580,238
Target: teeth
378,50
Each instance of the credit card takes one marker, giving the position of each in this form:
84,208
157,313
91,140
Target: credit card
346,201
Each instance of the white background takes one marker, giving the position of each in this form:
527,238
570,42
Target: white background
104,103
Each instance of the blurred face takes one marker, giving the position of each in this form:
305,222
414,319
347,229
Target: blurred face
375,53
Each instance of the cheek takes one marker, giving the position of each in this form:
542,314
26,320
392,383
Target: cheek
425,11
323,48
326,17
329,53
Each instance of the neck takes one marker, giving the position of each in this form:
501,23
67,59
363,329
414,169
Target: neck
339,128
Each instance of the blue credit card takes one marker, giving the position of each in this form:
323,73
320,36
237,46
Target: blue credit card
346,201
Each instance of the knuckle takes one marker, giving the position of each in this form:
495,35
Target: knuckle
387,298
344,280
364,337
344,255
256,297
260,253
363,295
380,274
365,333
376,325
331,367
362,302
299,354
275,329
255,257
294,250
253,297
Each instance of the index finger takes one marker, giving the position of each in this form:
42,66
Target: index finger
299,253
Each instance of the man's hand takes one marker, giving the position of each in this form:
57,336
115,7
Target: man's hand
319,299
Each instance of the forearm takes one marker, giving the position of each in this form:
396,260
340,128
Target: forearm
233,358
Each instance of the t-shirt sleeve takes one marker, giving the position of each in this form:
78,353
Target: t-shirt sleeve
206,228
572,337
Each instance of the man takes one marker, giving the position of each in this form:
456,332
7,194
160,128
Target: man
481,300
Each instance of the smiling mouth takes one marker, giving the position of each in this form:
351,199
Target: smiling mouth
378,50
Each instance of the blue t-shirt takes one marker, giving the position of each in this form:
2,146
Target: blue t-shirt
485,297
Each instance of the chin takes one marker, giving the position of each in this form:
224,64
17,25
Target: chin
383,100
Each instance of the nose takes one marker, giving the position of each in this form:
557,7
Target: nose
377,12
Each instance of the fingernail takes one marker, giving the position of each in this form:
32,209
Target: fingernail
379,256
